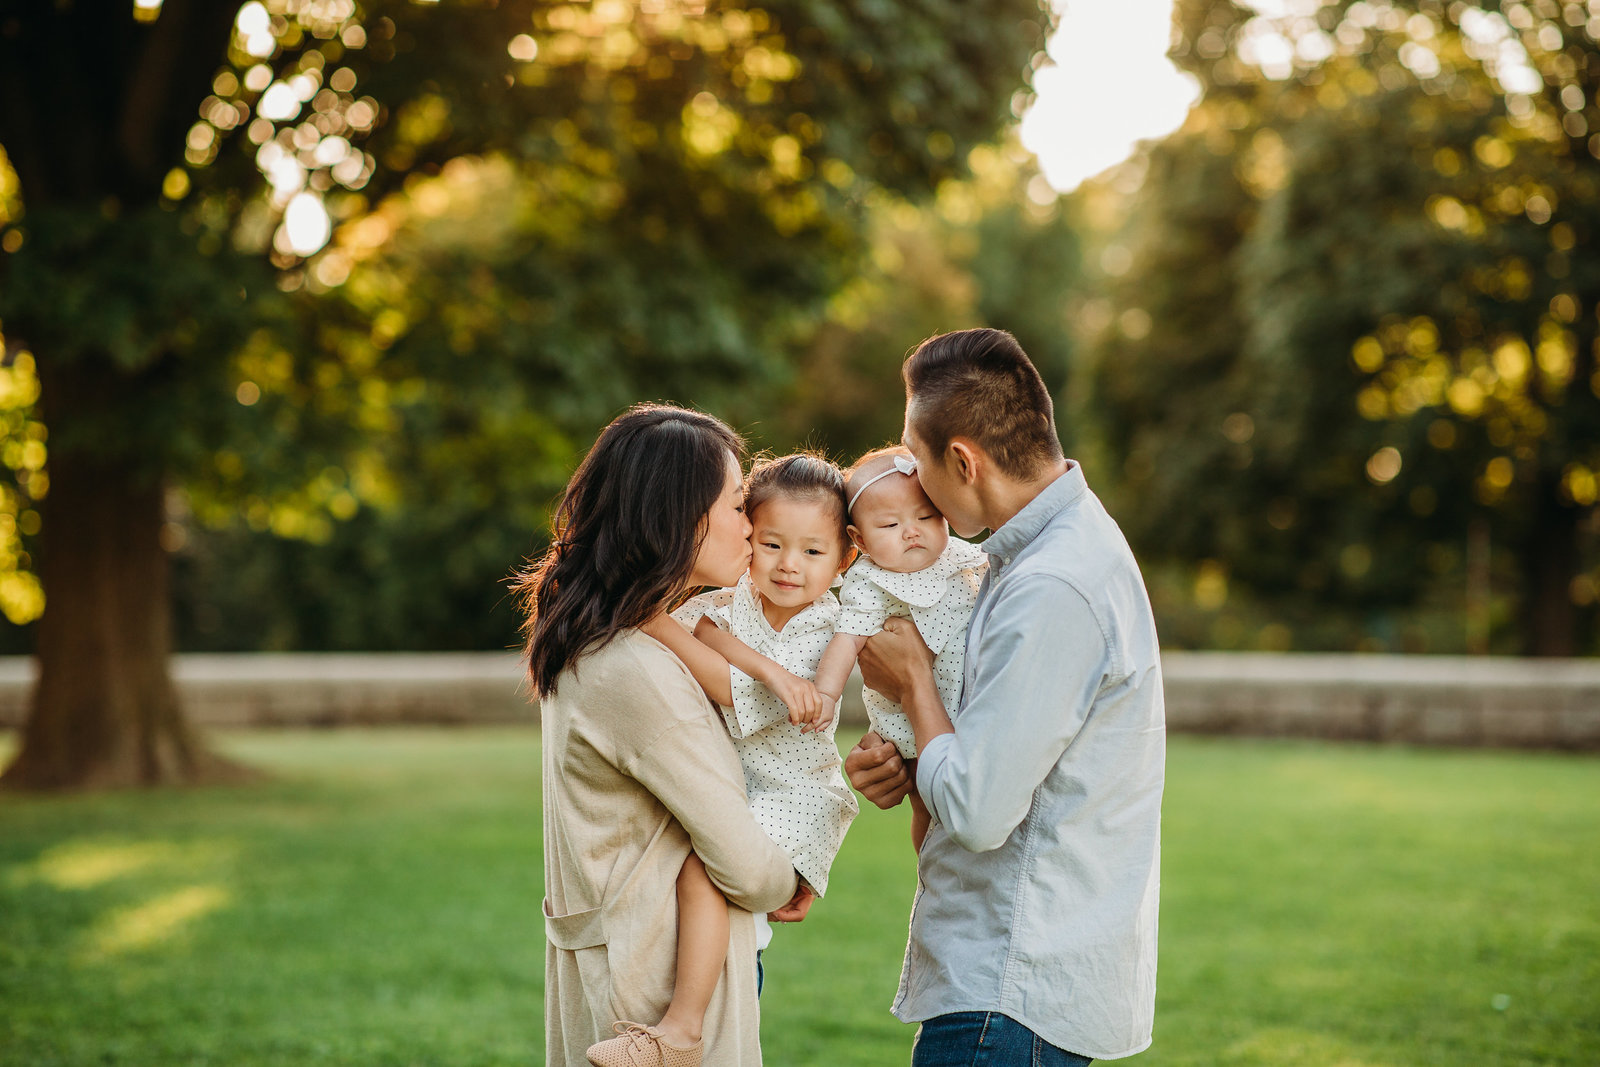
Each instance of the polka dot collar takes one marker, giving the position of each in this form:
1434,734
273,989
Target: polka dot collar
747,616
926,587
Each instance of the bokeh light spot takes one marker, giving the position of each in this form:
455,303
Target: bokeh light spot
523,48
1384,465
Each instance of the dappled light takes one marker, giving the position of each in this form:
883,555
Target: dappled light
376,881
301,114
155,921
23,452
1368,234
87,864
1318,312
385,249
310,309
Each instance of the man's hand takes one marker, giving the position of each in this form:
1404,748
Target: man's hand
798,905
877,771
892,655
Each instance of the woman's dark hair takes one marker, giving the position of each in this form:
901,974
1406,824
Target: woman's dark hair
625,535
799,475
980,384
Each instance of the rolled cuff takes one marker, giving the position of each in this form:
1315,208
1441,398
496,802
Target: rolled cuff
859,623
930,764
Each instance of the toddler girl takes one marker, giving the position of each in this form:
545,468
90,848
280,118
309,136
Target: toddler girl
910,566
755,650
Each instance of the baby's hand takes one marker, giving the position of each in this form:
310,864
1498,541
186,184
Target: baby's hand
798,695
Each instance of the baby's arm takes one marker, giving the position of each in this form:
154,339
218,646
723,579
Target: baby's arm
837,662
798,695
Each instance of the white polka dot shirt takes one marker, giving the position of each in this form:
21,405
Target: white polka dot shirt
939,599
796,790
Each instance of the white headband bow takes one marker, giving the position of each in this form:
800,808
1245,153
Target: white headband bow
902,465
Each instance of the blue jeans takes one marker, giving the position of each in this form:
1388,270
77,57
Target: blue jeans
986,1039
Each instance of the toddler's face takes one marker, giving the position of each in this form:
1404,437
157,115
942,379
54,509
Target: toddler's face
897,525
796,550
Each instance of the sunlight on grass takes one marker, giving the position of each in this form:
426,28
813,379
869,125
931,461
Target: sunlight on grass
88,863
1283,1047
84,865
155,921
375,901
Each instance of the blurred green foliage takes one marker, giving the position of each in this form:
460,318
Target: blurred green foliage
471,464
539,213
1328,350
1346,358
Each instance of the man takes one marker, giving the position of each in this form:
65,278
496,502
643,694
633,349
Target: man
1033,933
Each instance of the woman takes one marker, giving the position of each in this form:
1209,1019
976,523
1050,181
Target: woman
637,770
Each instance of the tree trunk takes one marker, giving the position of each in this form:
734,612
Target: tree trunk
93,109
105,713
1549,563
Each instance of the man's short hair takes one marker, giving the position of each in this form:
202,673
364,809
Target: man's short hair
981,385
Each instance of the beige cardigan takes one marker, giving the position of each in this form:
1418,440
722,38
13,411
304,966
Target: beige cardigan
636,769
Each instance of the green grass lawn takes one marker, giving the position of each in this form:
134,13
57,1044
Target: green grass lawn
377,902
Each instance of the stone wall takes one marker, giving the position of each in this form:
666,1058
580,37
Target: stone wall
326,689
1437,700
1430,700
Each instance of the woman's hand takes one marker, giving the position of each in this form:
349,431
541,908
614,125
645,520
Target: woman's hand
798,905
801,697
876,770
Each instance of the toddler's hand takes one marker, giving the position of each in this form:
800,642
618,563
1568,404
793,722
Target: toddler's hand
830,704
798,695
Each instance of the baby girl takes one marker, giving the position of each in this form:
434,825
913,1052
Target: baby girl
910,566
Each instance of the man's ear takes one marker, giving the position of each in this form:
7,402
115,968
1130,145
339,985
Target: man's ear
964,457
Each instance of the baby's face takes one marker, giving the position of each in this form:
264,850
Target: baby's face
796,550
896,524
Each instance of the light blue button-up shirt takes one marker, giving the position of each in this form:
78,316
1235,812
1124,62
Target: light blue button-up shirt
1039,878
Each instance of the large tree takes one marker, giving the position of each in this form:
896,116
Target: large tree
1362,298
654,187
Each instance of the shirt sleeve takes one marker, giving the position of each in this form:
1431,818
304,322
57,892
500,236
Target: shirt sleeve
713,605
1041,661
755,707
681,767
863,607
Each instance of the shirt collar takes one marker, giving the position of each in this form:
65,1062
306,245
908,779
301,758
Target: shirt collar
1026,524
926,587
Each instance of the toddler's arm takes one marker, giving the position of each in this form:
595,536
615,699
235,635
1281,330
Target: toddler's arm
709,668
805,704
708,654
837,661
